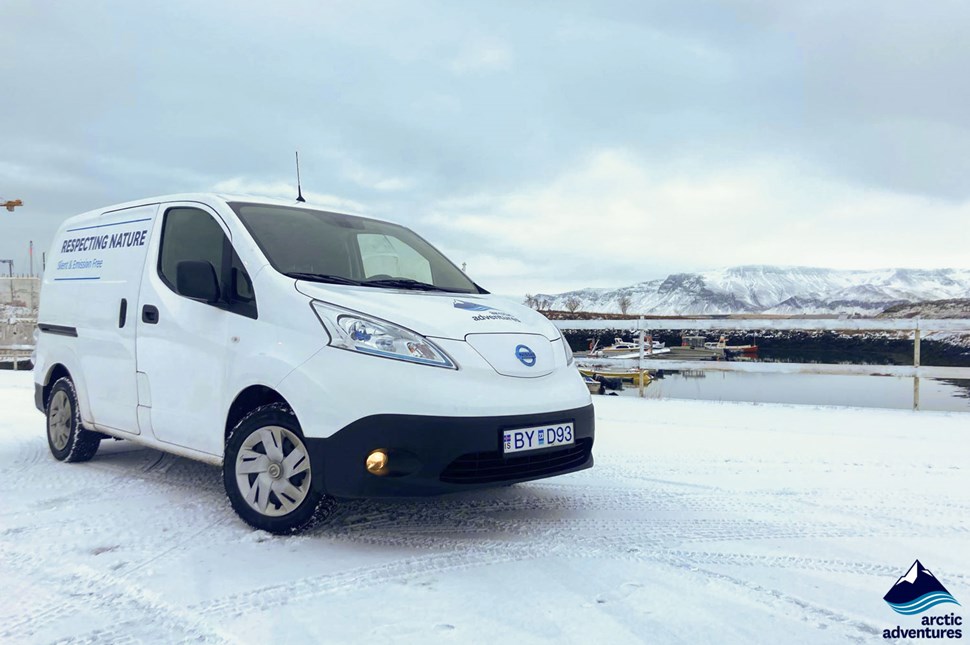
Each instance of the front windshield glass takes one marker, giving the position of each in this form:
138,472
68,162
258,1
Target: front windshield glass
344,249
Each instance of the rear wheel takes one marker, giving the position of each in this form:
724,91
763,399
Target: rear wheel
67,438
267,472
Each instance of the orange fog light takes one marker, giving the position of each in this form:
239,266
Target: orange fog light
376,462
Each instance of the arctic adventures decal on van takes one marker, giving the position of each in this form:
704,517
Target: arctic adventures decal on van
494,314
94,239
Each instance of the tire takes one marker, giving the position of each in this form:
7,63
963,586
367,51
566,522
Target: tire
66,437
268,475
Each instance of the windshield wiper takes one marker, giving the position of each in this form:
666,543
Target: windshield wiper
402,283
322,277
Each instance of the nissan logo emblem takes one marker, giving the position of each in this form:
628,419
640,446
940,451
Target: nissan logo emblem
525,355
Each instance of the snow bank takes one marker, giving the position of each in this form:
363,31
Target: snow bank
701,522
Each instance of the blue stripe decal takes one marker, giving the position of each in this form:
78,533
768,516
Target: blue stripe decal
131,221
94,278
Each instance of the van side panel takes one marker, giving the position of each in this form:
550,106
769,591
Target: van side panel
60,350
183,351
91,285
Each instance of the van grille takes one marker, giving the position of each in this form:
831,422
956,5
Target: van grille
487,467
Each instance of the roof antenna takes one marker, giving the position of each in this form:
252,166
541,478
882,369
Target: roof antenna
299,191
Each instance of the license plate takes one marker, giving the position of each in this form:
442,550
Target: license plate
548,436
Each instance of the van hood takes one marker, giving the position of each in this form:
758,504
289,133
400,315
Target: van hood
435,314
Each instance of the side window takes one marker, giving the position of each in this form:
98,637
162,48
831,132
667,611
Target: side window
190,234
242,286
385,255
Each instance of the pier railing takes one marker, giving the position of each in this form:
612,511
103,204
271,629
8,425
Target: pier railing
15,354
915,326
16,339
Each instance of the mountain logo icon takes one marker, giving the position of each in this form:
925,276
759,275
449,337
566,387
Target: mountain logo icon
917,591
472,306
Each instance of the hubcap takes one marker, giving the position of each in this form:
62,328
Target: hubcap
273,471
59,416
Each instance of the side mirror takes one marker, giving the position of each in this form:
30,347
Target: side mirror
197,279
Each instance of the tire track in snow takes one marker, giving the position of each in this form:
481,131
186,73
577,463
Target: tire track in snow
29,453
83,589
770,597
582,517
604,540
283,594
798,562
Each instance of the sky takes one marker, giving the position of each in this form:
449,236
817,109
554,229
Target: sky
548,145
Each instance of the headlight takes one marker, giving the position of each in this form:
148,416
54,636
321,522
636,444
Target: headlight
356,332
569,351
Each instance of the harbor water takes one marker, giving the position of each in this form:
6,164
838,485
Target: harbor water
809,389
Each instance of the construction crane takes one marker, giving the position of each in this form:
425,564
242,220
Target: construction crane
11,204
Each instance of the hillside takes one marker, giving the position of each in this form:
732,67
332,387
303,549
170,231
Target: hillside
936,309
766,289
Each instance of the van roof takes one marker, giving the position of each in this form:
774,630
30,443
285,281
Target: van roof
195,197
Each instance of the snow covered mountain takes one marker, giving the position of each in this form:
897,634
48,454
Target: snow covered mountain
774,290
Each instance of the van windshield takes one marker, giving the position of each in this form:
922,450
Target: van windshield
343,249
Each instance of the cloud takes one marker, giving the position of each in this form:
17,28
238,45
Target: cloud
22,175
284,190
549,145
481,57
619,219
374,181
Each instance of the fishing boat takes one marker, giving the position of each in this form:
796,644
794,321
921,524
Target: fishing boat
632,374
692,348
721,347
654,353
620,346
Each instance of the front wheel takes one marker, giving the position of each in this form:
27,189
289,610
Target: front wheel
267,472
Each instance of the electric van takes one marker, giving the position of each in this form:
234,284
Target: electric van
312,355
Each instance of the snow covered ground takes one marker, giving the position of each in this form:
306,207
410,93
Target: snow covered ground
701,522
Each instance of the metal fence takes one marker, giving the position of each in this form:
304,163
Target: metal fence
19,297
914,326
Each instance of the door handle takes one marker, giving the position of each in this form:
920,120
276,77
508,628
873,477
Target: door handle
123,313
149,314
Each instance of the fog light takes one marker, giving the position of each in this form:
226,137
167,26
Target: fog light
376,462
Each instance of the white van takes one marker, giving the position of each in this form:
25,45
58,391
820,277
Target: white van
313,355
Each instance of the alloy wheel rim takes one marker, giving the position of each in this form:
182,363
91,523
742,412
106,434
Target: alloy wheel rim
273,471
59,420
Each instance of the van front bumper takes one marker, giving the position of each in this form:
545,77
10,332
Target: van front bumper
430,455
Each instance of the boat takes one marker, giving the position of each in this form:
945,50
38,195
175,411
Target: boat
595,387
721,347
632,374
620,346
656,353
692,348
